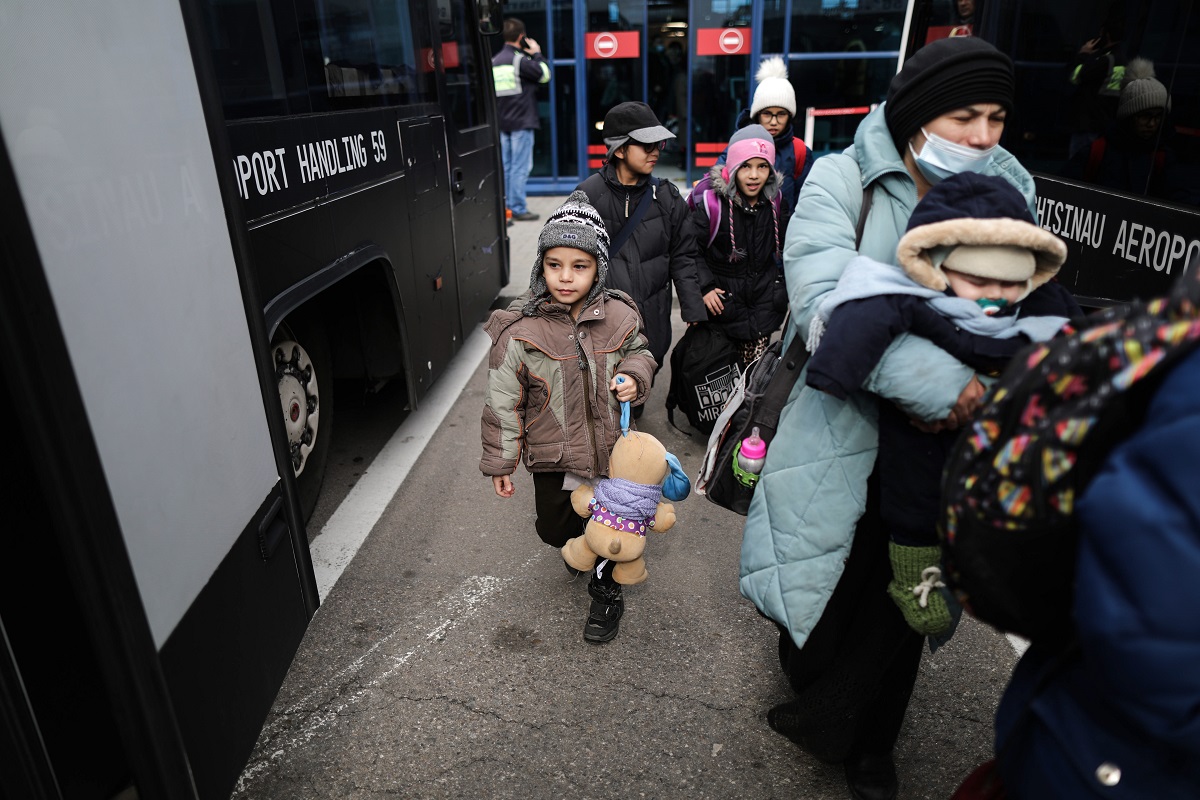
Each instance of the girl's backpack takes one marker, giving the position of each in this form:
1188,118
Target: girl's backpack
1009,530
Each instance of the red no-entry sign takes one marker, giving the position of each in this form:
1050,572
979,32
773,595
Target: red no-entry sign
612,44
723,41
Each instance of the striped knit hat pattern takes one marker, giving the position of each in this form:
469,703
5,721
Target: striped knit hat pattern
577,224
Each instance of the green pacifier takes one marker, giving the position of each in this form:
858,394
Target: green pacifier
992,306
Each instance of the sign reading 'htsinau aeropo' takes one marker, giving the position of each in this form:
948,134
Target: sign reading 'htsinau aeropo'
1119,248
282,163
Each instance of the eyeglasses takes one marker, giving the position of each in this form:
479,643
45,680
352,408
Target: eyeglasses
652,146
782,116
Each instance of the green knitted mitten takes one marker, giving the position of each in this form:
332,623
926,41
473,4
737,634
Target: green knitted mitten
916,578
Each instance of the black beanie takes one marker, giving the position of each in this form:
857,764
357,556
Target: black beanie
944,75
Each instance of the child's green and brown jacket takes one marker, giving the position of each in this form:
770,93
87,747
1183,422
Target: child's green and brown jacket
548,400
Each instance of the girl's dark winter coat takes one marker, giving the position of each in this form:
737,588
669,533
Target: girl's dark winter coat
755,295
658,253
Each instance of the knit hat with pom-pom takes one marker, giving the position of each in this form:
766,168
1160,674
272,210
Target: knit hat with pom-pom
1140,90
774,90
577,224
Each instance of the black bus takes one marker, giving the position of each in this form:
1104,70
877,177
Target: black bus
210,210
1132,226
361,141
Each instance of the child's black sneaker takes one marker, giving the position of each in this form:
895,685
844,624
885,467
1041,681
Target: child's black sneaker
604,616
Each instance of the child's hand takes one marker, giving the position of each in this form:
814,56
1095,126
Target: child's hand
503,485
627,391
712,301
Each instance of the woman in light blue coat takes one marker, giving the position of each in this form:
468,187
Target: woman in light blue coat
814,555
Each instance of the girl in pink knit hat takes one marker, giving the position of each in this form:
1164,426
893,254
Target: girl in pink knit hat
736,220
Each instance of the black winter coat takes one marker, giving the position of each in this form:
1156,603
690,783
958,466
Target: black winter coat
755,294
658,253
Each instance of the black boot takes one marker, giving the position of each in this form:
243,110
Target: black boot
604,616
871,777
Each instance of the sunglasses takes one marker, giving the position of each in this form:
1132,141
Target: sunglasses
652,147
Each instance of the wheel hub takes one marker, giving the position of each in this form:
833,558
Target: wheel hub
299,399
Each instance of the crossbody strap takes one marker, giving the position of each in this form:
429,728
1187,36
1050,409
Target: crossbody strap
627,229
796,356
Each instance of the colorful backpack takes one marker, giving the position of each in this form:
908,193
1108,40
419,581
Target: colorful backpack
1009,488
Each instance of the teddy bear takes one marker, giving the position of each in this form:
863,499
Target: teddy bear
625,506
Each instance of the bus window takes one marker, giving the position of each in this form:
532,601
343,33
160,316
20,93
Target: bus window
467,90
250,67
1070,121
367,54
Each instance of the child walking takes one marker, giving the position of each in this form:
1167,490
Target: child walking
974,278
736,220
559,368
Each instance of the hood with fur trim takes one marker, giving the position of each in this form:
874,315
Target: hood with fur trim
976,210
728,189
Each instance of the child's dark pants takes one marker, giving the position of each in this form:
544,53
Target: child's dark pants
556,519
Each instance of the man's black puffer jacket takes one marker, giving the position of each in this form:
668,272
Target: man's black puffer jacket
659,252
755,295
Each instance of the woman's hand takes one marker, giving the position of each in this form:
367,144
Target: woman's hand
712,301
503,485
961,414
627,390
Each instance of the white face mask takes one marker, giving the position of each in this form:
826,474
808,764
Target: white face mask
940,158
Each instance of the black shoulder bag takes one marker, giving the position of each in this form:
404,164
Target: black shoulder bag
756,403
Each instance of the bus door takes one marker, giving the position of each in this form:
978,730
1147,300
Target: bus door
476,175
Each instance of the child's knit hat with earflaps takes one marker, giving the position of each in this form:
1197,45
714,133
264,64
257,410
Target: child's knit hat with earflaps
577,224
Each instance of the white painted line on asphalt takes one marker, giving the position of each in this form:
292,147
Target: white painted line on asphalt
1019,644
323,705
341,537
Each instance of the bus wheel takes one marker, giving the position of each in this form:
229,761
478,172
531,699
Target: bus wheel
302,371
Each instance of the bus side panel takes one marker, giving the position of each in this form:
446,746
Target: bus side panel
112,157
434,324
227,658
478,234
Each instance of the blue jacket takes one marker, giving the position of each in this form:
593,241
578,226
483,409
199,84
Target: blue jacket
1130,696
814,483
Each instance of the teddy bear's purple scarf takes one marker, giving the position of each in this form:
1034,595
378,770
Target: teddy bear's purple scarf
628,499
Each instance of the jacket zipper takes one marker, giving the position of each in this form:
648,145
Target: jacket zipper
587,403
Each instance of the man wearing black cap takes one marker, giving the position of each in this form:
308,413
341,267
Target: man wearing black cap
845,647
657,251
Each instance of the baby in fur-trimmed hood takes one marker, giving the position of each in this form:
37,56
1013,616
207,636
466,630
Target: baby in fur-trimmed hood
978,225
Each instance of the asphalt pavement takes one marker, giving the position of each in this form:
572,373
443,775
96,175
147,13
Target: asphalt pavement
447,658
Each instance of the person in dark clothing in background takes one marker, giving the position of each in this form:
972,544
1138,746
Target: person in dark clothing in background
974,279
517,70
659,251
1137,153
1096,74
